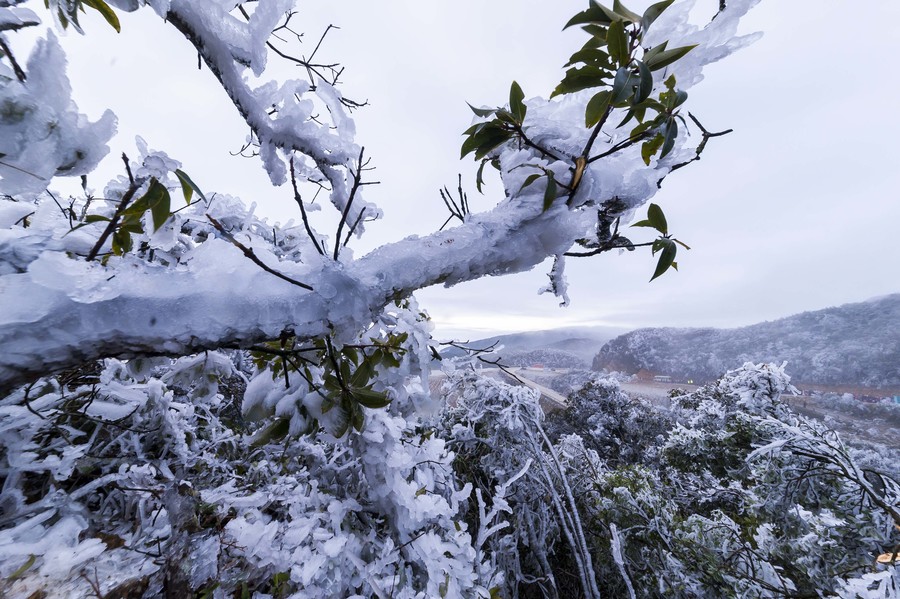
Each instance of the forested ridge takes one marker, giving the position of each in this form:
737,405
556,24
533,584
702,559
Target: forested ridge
852,344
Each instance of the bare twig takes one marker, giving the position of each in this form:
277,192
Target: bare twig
252,256
456,211
707,135
299,201
114,221
20,74
357,180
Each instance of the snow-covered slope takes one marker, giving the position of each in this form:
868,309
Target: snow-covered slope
853,344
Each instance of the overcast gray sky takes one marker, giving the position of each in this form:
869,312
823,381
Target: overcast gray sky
796,210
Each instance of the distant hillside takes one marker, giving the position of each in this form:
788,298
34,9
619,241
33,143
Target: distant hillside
853,344
548,358
582,342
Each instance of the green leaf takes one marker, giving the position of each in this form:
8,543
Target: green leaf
529,180
682,244
550,192
274,432
596,108
655,215
619,8
645,88
486,139
648,149
479,177
666,258
612,15
157,200
666,57
516,104
363,374
618,43
188,186
22,569
652,13
357,417
121,242
475,128
96,218
592,56
371,399
594,14
160,203
671,134
340,423
649,54
580,78
108,13
482,112
622,86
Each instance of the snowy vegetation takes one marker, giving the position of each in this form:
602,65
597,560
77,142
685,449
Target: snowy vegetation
854,344
163,434
549,358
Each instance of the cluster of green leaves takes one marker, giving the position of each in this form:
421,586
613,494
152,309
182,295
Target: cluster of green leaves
506,124
130,220
609,59
347,380
156,200
666,245
613,60
68,12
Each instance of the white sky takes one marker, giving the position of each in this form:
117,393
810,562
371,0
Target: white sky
796,210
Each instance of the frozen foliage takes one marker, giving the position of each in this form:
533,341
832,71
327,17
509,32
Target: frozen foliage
854,344
163,434
42,134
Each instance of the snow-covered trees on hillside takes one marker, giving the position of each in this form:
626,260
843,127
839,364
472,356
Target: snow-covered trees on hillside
854,344
164,434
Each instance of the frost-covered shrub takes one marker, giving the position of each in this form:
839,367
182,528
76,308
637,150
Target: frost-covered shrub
621,429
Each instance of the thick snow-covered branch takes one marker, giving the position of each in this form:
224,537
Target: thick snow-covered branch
80,311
